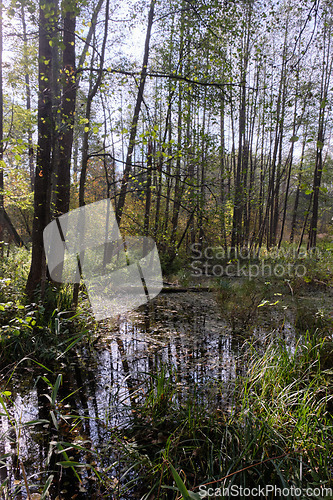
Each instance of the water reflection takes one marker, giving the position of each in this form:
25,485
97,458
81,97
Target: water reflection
104,387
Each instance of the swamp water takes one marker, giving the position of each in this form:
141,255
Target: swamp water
183,336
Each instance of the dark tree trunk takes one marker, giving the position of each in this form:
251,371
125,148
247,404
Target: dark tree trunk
327,66
160,168
93,88
177,191
67,111
298,189
148,189
139,99
222,174
168,177
316,188
43,164
241,168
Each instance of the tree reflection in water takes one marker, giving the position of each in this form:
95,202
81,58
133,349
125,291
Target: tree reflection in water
104,387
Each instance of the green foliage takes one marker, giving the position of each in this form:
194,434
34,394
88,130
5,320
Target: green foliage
303,289
161,392
239,301
286,390
183,277
172,265
186,495
45,330
19,201
278,430
14,269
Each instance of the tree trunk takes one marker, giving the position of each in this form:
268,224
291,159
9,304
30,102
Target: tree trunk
222,174
241,168
177,191
160,166
43,163
128,165
92,92
327,63
148,189
67,110
28,101
298,189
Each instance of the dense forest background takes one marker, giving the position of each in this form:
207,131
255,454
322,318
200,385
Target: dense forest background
205,122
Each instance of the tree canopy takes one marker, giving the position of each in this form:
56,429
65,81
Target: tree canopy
204,122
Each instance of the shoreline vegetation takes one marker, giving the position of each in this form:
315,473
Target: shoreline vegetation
275,427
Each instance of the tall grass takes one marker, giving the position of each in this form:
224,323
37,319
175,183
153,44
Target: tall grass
286,397
279,431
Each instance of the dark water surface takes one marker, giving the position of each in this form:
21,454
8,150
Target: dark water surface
105,386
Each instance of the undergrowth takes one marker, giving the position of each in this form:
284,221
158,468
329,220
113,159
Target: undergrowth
277,429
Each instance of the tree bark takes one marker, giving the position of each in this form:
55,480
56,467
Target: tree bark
298,189
134,126
148,189
93,88
43,163
241,168
28,101
69,89
327,64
